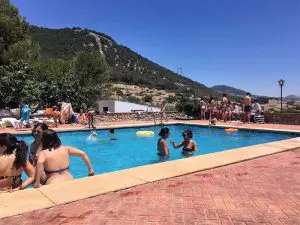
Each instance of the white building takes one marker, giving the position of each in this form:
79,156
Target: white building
273,102
115,106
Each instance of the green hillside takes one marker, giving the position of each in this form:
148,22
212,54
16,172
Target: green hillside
126,66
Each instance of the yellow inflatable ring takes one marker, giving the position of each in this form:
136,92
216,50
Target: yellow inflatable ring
144,133
231,130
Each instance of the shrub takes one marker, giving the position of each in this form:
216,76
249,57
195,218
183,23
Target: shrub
133,99
148,98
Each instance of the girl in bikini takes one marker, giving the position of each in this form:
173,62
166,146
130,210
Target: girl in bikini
13,161
188,145
36,145
54,159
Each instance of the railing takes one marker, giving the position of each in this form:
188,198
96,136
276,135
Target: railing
153,114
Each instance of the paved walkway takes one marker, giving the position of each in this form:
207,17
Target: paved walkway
259,191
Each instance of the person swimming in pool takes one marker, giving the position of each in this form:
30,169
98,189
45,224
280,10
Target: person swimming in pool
188,145
112,132
93,136
162,146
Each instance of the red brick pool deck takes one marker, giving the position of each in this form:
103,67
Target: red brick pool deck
260,191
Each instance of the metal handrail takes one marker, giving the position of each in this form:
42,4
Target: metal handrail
151,111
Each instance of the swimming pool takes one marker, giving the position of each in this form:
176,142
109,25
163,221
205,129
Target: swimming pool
125,149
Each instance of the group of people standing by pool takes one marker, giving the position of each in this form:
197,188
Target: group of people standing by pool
48,160
226,110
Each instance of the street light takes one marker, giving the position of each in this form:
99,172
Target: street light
281,83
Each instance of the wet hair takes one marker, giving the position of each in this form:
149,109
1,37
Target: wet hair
164,131
14,146
248,93
224,95
189,133
50,140
111,131
43,126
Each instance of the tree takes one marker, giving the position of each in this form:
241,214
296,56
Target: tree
22,50
119,93
188,106
171,99
13,28
90,68
16,84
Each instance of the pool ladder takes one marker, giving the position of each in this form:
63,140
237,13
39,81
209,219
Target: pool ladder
153,114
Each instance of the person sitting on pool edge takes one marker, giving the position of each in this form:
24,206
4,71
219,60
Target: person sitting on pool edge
162,147
189,146
54,159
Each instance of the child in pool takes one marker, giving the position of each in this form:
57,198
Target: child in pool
93,136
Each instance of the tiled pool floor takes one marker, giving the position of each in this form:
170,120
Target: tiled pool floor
260,191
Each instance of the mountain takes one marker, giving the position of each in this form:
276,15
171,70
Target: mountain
126,66
228,90
292,97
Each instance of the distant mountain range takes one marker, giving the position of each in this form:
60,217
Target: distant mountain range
224,89
293,98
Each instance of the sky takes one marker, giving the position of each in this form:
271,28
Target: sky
247,44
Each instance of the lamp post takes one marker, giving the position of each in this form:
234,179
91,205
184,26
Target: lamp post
281,83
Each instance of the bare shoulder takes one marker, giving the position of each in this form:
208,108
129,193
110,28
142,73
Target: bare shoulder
161,141
43,153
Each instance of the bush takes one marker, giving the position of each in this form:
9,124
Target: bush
148,98
133,99
189,107
119,93
171,99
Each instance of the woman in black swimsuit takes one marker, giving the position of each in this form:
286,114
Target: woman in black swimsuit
13,161
54,159
188,145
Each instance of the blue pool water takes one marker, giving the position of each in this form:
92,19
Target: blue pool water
129,150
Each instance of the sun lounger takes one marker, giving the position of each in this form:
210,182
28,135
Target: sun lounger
2,124
11,122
